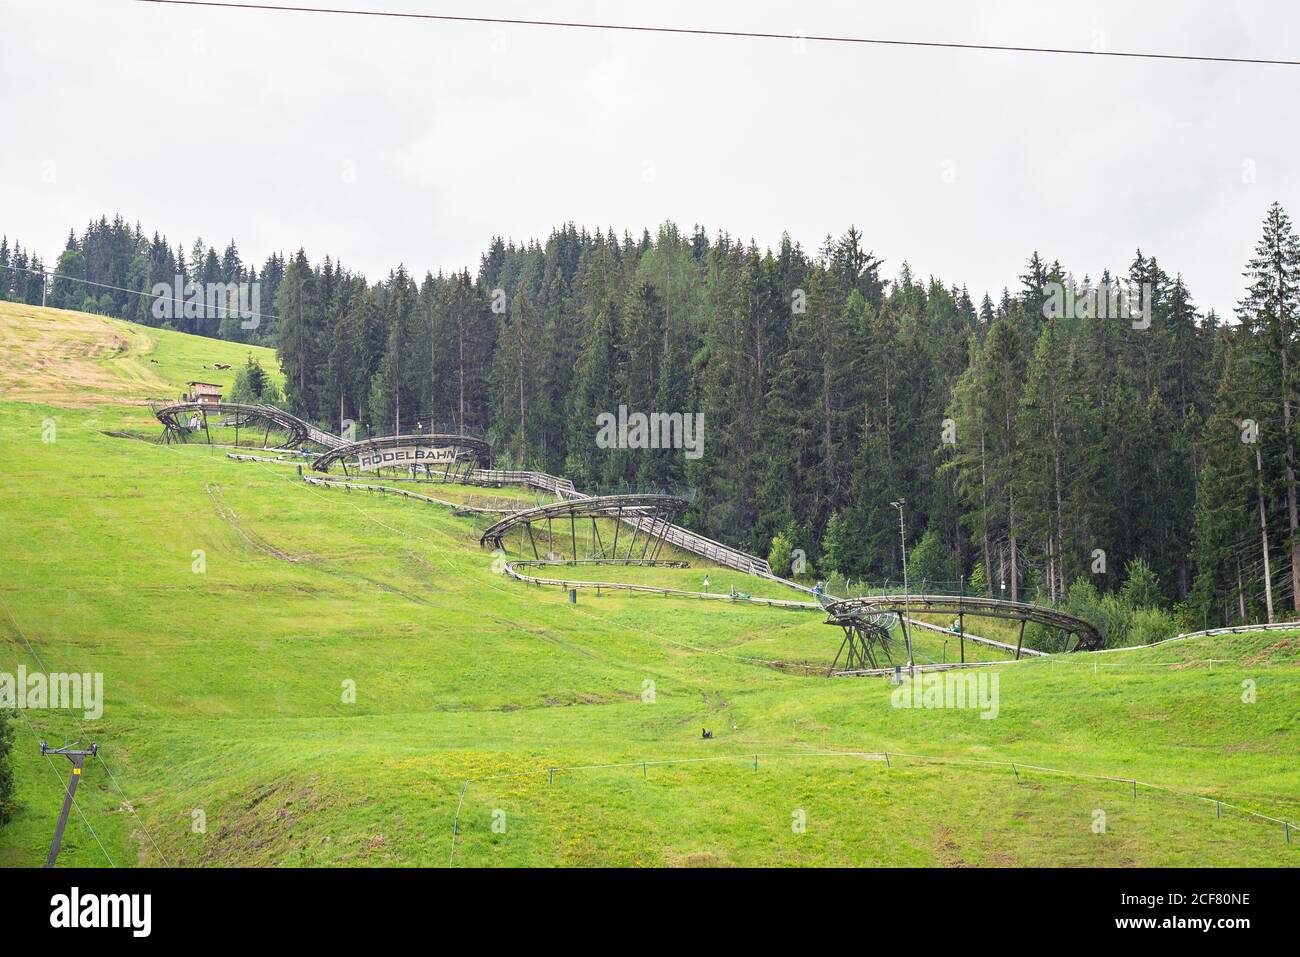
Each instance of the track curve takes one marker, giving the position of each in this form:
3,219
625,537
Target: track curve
847,611
868,619
637,510
465,447
172,416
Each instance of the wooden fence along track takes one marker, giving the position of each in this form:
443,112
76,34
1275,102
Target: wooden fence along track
512,569
458,508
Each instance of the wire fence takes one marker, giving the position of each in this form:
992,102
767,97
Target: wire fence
890,759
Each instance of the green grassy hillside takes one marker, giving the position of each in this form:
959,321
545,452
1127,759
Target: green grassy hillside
231,606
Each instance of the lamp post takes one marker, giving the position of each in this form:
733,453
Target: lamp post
902,619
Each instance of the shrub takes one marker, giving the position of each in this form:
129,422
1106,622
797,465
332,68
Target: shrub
1141,586
6,767
1150,625
1120,622
779,555
252,384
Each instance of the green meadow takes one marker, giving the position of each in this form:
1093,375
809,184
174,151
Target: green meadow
298,675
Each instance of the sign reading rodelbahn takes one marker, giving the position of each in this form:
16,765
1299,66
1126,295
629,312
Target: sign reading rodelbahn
404,456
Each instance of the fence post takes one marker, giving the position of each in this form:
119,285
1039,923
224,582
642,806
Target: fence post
1015,772
1135,789
887,764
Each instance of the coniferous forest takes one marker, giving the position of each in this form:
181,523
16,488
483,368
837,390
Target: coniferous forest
1041,455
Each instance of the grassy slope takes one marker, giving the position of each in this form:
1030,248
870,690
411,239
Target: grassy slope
75,359
224,694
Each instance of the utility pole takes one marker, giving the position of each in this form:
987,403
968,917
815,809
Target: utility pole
44,287
78,759
902,618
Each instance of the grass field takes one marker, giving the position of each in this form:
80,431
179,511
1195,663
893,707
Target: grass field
231,607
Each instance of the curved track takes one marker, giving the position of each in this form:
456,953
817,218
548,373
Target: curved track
1087,637
864,635
866,621
176,427
468,451
651,512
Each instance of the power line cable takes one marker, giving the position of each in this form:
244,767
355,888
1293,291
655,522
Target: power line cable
225,313
743,34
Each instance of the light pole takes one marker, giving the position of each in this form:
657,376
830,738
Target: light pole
902,619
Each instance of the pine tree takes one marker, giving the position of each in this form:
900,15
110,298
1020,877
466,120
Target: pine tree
298,338
1270,312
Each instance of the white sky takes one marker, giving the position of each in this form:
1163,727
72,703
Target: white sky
242,124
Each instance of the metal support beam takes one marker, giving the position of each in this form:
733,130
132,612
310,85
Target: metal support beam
648,537
636,530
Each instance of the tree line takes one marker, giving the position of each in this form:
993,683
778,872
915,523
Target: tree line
1041,452
112,269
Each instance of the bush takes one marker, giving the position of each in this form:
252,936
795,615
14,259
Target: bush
779,555
1141,586
1150,625
1120,622
253,385
7,804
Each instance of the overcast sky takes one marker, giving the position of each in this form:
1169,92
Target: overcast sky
382,141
